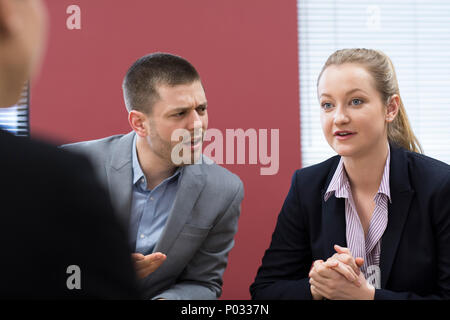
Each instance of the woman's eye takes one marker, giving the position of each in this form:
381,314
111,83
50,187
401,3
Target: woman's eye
356,102
327,105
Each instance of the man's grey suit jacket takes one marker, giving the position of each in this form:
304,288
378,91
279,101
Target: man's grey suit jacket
200,230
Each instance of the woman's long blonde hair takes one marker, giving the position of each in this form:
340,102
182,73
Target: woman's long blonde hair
380,66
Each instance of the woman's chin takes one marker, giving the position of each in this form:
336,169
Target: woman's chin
345,151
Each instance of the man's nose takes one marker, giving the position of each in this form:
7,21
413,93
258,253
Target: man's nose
195,121
341,116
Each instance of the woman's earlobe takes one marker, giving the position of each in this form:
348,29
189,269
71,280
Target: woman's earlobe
390,117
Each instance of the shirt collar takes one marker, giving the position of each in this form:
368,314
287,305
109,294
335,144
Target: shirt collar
137,170
384,185
340,185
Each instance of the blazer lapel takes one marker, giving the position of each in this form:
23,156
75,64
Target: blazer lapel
119,172
401,196
192,182
333,224
333,218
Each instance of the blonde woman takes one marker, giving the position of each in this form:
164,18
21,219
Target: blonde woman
372,222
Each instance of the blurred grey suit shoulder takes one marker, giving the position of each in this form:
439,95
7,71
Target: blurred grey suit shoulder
98,152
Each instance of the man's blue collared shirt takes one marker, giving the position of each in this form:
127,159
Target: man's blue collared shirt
149,208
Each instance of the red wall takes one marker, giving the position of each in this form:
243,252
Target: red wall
246,54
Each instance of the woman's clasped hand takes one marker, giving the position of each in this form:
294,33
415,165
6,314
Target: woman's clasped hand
340,278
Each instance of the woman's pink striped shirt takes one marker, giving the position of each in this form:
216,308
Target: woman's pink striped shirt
359,245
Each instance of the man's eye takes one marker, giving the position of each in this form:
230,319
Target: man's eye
179,114
201,109
327,106
356,102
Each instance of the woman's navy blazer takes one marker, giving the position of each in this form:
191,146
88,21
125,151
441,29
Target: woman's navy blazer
415,247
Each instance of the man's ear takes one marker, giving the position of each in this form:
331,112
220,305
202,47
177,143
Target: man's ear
137,121
9,19
392,107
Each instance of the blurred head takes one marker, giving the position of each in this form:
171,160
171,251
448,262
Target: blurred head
361,107
163,93
22,35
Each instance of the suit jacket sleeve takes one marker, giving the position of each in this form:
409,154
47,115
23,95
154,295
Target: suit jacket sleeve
286,264
440,215
202,277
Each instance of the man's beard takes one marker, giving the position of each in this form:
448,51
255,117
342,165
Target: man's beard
163,149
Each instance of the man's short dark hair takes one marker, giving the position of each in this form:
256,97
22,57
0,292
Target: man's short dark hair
141,81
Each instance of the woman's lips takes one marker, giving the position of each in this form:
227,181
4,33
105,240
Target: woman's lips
344,135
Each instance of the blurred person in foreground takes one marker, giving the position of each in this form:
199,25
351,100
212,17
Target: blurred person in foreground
58,233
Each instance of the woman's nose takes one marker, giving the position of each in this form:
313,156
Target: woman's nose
341,116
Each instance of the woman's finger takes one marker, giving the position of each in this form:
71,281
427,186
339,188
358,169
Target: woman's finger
340,249
319,289
346,271
349,260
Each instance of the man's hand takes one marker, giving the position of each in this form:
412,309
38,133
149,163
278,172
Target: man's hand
145,265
